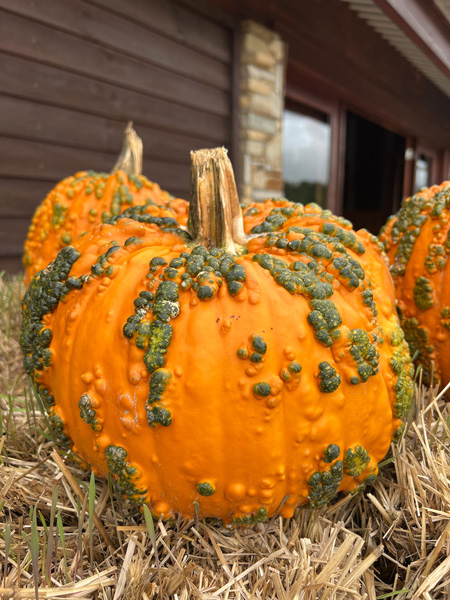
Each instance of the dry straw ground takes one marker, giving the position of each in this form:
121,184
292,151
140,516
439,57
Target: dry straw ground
65,535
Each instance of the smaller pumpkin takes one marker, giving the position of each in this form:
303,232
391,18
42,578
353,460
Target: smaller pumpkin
417,243
80,202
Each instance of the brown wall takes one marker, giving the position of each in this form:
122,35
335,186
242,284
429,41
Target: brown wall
73,72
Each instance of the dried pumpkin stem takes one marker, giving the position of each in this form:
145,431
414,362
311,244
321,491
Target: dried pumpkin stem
130,157
215,217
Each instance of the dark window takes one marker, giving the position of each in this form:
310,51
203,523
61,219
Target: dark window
306,154
374,163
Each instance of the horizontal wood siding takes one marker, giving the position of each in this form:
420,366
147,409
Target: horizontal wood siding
73,73
12,234
55,87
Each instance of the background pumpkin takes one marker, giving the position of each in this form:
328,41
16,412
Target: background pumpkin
417,243
233,378
86,199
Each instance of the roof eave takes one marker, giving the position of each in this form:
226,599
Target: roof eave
423,23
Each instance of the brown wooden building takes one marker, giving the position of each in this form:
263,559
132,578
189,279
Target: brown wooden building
350,99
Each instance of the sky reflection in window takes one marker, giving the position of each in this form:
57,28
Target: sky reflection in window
306,157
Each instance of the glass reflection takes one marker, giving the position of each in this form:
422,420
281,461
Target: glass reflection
423,169
306,157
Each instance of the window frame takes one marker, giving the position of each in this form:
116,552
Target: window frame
324,103
310,91
313,112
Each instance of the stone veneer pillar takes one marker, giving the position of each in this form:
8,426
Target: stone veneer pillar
262,76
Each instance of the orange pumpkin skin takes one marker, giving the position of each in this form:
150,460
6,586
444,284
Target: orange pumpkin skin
81,202
231,389
417,243
280,214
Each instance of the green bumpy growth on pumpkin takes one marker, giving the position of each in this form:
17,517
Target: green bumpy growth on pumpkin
328,260
407,228
87,413
205,488
436,258
410,219
344,236
324,318
293,369
314,243
330,380
158,384
47,399
445,318
58,429
47,289
280,214
101,267
331,453
201,270
154,359
351,274
397,336
297,278
398,433
404,370
423,217
356,461
419,345
272,222
59,215
124,474
121,195
262,389
257,344
364,353
324,484
423,293
260,516
159,340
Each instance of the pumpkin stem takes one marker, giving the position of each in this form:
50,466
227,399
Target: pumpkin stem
130,157
215,217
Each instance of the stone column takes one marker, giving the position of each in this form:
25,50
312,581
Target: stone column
262,76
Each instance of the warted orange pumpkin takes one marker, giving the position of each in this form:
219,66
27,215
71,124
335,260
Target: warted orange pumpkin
222,372
417,243
80,202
